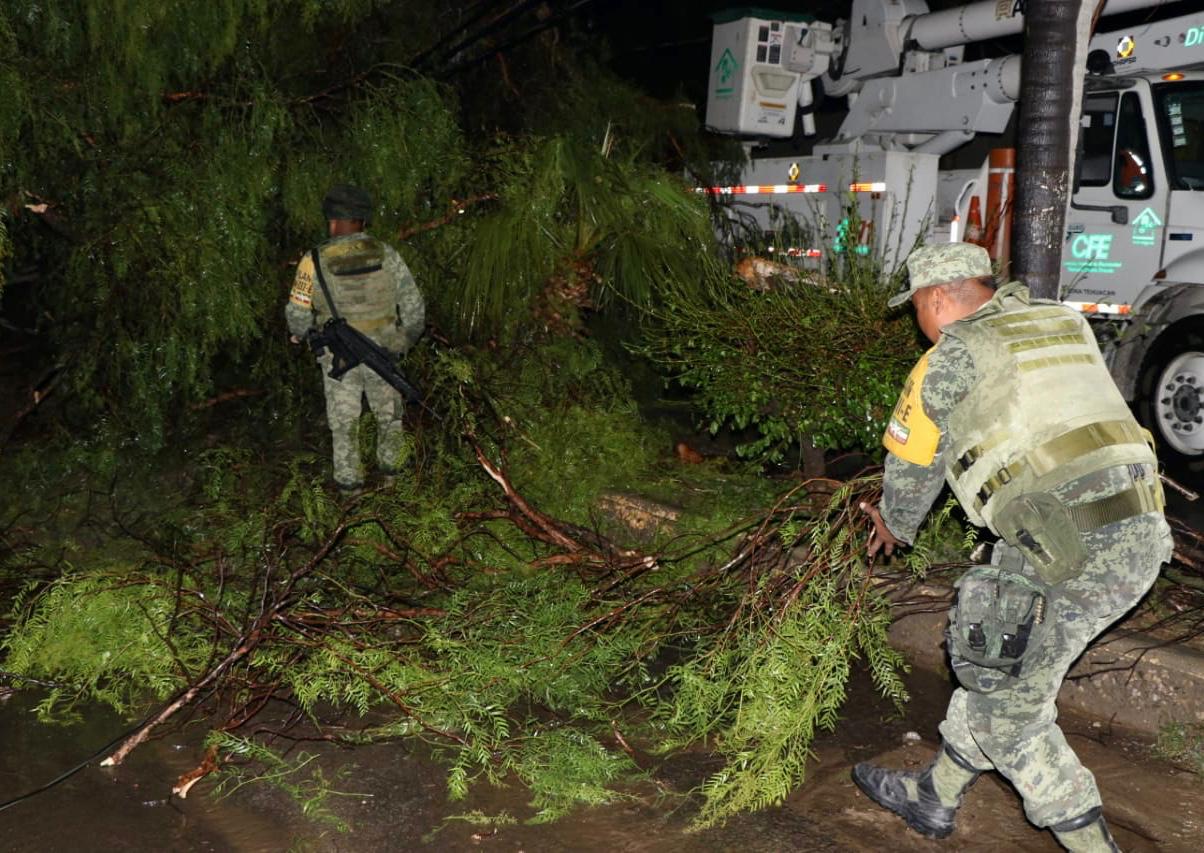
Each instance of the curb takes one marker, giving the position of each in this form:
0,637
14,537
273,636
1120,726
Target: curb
1125,678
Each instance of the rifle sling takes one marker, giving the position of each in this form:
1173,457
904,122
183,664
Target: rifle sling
334,311
397,381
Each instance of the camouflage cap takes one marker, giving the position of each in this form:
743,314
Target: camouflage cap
940,263
344,201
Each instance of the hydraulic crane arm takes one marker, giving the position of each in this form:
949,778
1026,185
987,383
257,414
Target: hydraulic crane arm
878,34
902,68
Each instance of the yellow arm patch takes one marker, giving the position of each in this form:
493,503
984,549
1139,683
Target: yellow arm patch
303,284
911,435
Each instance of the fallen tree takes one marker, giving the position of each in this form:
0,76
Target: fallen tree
513,641
567,650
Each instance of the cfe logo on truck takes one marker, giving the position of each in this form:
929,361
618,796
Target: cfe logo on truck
1090,253
727,66
1145,228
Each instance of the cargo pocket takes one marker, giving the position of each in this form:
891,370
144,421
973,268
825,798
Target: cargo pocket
997,620
1041,527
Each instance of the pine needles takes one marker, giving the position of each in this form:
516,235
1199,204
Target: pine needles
523,674
762,688
819,360
580,222
456,609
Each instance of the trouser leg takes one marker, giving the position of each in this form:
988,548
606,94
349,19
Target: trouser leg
387,405
1015,727
344,402
955,731
1087,833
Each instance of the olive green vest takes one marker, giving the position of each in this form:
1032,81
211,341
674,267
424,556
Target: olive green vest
1044,412
362,286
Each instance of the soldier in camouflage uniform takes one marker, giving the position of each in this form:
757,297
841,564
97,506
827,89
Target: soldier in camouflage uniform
373,289
1014,408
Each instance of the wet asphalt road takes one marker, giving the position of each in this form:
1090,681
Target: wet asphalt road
401,802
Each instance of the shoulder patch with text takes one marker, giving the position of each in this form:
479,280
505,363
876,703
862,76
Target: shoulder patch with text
911,435
303,283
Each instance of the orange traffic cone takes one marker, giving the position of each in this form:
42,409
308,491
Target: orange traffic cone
974,222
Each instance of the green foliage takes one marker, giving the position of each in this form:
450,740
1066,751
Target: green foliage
420,623
575,210
177,151
311,792
105,636
399,138
575,417
499,649
591,102
944,538
476,817
820,360
573,432
164,162
135,53
762,689
173,295
1182,743
567,768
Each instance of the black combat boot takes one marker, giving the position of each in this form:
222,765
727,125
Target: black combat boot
914,795
1086,833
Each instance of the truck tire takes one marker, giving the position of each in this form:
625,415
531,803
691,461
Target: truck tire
1171,400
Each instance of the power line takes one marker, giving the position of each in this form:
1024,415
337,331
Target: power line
489,29
475,13
514,42
67,774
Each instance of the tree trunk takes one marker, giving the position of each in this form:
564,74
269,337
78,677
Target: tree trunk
1056,34
815,463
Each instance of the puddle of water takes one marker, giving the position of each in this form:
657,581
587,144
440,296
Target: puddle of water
129,807
123,808
1150,805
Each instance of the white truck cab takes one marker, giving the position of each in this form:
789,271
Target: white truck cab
1134,245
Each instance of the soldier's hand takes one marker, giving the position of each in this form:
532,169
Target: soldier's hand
881,539
293,339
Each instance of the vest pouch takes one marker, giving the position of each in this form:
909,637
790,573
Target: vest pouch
1041,527
997,620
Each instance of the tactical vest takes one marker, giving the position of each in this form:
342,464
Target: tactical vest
1044,412
364,292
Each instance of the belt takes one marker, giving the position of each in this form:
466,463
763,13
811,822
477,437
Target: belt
1052,454
1142,497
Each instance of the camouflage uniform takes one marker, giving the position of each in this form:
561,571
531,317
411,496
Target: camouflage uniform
382,300
1010,724
1013,729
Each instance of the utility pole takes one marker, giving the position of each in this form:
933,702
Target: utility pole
1056,37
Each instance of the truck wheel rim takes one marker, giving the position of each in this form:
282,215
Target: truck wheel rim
1178,405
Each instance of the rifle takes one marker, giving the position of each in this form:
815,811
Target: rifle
350,348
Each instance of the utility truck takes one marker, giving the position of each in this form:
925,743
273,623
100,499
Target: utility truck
1133,256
